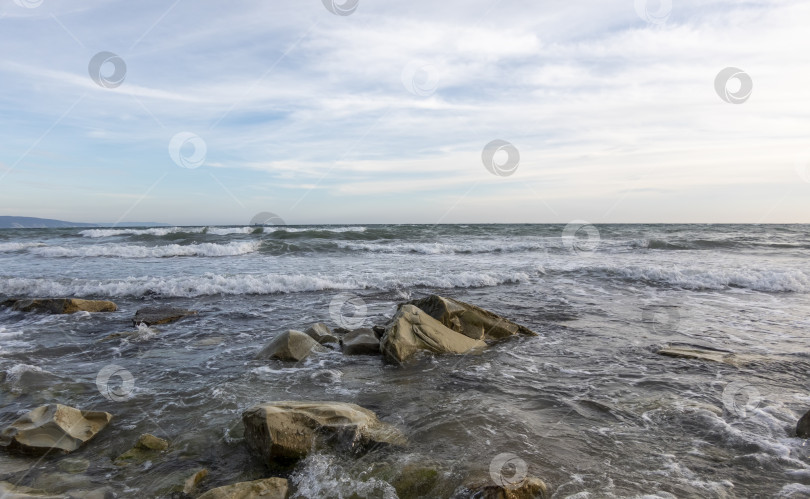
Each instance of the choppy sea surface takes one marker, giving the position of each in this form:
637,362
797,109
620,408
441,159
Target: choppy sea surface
587,405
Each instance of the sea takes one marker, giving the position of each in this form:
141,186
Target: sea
587,405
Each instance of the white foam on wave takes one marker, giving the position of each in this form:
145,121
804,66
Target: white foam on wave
437,248
11,247
768,280
136,251
224,231
314,229
217,284
324,476
158,231
220,231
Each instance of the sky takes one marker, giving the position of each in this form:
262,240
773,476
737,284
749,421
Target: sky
364,111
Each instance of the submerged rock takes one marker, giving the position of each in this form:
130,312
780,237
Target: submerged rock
712,355
267,488
147,447
160,315
290,346
289,430
803,426
191,482
60,483
321,333
11,491
53,427
470,320
360,342
73,465
530,488
412,330
60,305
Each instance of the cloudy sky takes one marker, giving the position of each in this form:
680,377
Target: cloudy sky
206,112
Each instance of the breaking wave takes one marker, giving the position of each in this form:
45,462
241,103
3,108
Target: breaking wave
244,284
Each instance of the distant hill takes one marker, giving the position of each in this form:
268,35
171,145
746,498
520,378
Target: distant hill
46,223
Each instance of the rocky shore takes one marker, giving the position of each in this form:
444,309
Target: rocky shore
279,432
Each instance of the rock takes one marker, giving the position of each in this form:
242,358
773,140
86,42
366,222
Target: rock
25,379
379,331
320,332
268,488
53,427
191,483
469,320
415,481
61,305
803,426
360,342
147,447
59,483
712,355
412,330
160,315
531,488
99,493
11,491
73,465
290,346
288,430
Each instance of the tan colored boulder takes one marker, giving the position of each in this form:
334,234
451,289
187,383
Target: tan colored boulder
289,430
268,488
321,333
152,316
412,330
530,488
470,320
61,305
360,342
191,482
290,346
53,427
147,447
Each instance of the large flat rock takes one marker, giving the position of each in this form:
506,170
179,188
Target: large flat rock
413,330
53,427
60,305
713,355
289,429
267,488
160,315
470,320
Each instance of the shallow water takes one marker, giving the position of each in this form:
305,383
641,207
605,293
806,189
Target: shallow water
587,405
